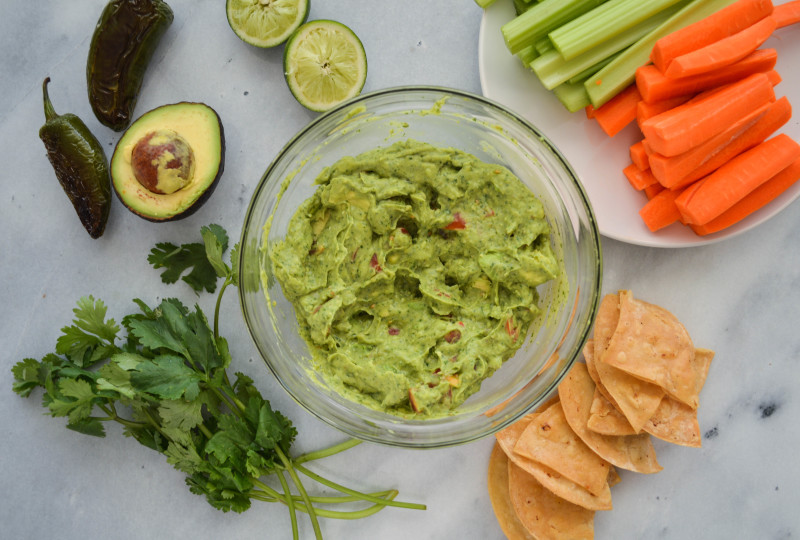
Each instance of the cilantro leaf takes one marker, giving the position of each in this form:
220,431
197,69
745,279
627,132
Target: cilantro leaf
27,376
216,242
90,338
178,259
179,414
167,377
76,400
88,426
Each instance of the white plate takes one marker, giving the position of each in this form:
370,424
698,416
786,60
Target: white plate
599,159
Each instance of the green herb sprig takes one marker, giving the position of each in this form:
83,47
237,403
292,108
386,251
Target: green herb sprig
166,383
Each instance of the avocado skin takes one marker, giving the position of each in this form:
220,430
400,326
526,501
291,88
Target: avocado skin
200,201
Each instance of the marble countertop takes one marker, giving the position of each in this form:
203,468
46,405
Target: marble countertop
740,297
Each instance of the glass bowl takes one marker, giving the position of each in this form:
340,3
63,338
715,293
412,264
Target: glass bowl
446,118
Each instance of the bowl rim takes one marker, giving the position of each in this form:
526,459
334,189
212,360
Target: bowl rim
591,223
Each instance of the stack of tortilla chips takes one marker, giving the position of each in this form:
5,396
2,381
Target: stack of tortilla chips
550,471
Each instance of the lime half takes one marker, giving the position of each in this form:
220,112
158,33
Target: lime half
324,64
266,23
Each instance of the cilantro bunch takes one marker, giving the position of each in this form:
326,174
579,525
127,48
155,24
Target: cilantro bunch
166,382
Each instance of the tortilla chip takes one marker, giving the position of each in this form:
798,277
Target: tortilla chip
651,343
605,323
605,418
501,500
613,477
675,422
544,515
632,452
550,479
637,400
549,440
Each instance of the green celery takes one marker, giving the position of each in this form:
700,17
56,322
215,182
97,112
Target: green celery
603,23
552,69
543,45
572,96
528,55
620,73
542,18
586,73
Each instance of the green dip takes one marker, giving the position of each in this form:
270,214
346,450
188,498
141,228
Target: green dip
413,273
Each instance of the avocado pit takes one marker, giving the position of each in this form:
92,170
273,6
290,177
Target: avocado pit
162,161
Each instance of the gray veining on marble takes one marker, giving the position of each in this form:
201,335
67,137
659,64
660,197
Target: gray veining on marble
740,297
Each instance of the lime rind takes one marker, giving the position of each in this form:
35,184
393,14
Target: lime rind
324,64
266,23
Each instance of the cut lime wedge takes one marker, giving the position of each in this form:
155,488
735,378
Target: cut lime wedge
265,23
324,64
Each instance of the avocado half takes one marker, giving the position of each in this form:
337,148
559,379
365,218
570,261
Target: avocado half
195,124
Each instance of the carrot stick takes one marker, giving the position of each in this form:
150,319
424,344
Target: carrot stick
677,130
723,52
589,111
704,159
639,178
652,191
661,211
725,22
639,156
757,199
729,184
645,110
786,14
654,86
619,111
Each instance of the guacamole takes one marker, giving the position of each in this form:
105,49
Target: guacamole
413,272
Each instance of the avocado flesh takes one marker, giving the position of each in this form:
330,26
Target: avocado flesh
201,127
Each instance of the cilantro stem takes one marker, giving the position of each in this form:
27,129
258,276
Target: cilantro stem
290,504
112,415
337,514
326,452
364,496
296,479
219,303
332,499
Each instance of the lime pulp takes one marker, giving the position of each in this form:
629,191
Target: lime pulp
265,23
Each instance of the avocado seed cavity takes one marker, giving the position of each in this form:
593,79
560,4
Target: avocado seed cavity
162,161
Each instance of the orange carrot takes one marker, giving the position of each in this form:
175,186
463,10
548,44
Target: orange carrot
639,156
677,130
704,159
757,199
619,111
645,110
589,111
723,52
661,211
731,183
786,14
725,22
652,191
654,86
639,178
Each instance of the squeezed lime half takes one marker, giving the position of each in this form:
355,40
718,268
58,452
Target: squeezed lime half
265,23
324,64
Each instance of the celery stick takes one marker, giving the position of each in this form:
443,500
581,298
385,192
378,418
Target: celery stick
620,73
542,18
602,23
527,55
521,6
586,73
543,45
572,96
552,69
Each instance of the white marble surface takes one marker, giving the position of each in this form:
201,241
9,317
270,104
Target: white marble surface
739,297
